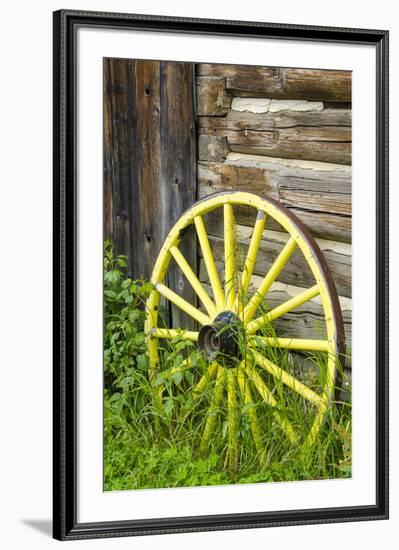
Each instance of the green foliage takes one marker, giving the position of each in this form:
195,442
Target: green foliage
124,341
157,466
152,443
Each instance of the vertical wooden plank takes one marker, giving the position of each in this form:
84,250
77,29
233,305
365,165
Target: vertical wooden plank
107,153
178,167
149,162
119,139
148,233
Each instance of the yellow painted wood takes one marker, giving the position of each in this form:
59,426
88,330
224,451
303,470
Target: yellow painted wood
269,279
260,385
246,394
232,417
194,281
152,346
183,304
169,334
205,379
311,437
292,343
209,263
152,304
250,260
270,400
287,379
213,409
151,321
229,261
282,309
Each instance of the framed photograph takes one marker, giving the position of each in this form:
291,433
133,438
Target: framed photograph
220,274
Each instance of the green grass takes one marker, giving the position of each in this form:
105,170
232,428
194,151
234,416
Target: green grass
148,445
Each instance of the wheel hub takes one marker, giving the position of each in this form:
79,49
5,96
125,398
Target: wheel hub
221,339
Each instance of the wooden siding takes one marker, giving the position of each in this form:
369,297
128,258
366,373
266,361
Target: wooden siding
149,160
285,133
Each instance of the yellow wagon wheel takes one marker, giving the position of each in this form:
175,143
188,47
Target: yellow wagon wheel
231,314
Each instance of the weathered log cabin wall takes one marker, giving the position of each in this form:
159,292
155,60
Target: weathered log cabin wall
285,133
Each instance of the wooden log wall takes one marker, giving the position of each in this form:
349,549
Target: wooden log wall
285,133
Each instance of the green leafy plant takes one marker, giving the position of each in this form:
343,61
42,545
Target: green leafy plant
124,316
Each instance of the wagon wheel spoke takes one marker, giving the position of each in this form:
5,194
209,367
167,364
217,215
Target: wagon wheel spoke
182,304
194,281
310,439
287,379
213,408
232,417
209,262
282,309
198,389
269,279
291,343
270,400
205,379
250,260
170,334
252,414
229,261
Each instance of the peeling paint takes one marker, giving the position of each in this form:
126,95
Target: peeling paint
277,105
251,104
266,105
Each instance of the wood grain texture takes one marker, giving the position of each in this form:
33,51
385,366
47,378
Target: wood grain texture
237,120
312,135
320,196
212,148
294,186
323,146
212,97
285,83
148,226
176,188
149,160
119,148
326,225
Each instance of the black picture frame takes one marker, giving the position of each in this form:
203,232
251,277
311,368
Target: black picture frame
66,527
